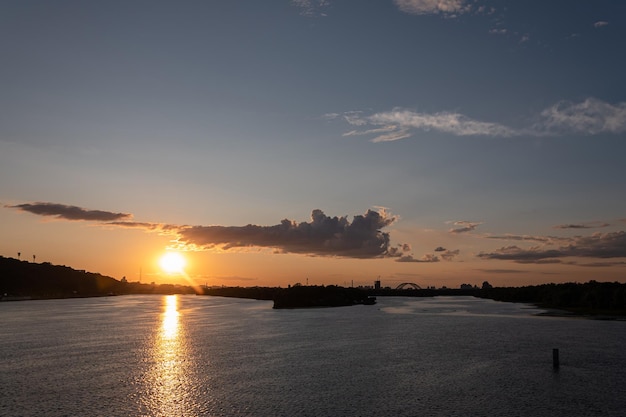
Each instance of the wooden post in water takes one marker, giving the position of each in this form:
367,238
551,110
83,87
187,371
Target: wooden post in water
555,358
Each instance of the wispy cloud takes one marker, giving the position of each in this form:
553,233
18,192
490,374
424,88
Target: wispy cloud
311,8
63,211
541,239
601,264
501,271
600,23
446,255
147,226
589,225
597,245
428,258
446,122
589,117
464,226
449,255
448,8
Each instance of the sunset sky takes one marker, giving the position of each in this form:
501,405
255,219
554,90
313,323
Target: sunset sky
438,142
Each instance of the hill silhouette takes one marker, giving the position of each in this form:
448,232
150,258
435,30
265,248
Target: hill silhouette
20,279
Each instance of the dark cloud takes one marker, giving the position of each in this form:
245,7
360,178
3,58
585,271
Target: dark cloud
591,225
448,255
540,261
322,236
600,264
62,211
541,239
440,249
501,271
465,226
597,245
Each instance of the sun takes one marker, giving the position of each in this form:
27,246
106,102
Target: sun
173,263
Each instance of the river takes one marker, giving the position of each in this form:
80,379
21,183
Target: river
210,356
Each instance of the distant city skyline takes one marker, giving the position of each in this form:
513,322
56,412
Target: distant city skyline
436,142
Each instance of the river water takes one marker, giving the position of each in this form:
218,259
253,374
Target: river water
211,356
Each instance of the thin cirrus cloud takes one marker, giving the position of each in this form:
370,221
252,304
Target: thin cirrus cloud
322,236
66,212
589,117
600,23
445,7
311,8
527,238
445,254
464,226
597,245
427,258
590,225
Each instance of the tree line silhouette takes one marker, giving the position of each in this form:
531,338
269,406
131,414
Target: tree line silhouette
592,297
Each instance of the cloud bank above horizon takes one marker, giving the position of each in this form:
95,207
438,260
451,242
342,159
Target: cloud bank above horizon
360,238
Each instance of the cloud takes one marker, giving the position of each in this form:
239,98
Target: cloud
322,236
501,271
597,245
600,264
311,8
542,239
400,121
589,117
449,254
62,211
465,226
590,225
150,227
448,8
446,255
600,23
428,258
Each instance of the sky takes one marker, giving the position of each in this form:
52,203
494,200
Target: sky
437,142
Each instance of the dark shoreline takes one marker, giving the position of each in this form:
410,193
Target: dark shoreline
21,279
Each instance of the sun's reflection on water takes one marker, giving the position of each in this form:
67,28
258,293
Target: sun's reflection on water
167,381
169,327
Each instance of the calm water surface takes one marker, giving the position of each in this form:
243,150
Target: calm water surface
211,356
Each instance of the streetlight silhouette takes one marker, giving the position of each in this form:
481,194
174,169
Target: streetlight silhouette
18,255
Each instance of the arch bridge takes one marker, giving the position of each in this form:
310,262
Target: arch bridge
408,285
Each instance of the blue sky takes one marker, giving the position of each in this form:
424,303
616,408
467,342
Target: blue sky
491,129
